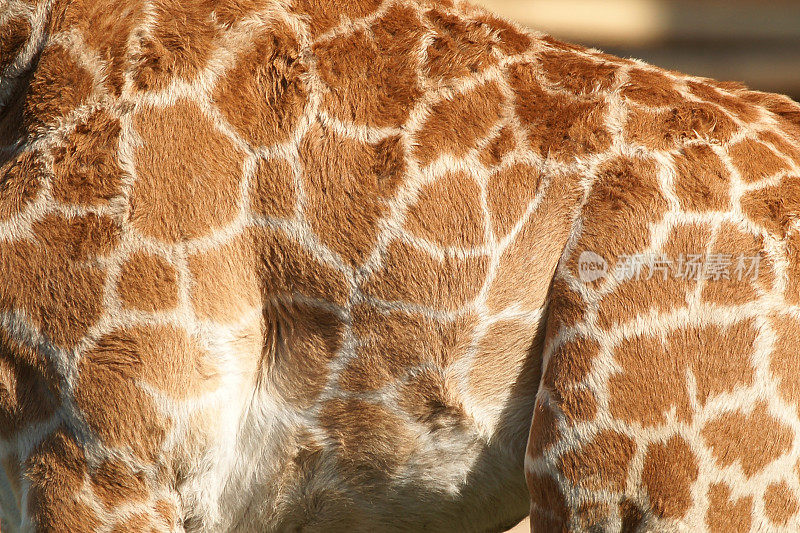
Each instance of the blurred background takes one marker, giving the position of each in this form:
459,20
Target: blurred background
756,42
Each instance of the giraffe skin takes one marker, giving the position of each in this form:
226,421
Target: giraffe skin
314,266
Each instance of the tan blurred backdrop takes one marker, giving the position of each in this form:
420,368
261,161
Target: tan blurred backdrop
755,42
744,40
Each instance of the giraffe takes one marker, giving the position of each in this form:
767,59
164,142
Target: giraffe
306,265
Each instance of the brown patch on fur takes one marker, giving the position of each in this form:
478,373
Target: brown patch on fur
528,264
412,276
600,464
739,246
632,516
459,47
776,208
370,441
59,85
591,513
509,192
148,283
653,291
348,184
455,125
666,130
568,366
372,75
719,359
790,128
389,162
306,340
508,358
323,15
267,82
86,167
780,106
108,376
82,238
566,306
114,483
625,195
702,182
724,514
616,60
544,431
783,360
783,146
780,503
165,357
510,40
286,268
556,44
549,512
392,343
13,36
575,73
29,388
433,400
229,12
20,183
670,470
743,110
178,46
272,190
501,145
736,437
576,403
167,512
755,160
55,275
650,88
558,126
56,470
792,294
106,28
730,86
448,212
226,282
182,162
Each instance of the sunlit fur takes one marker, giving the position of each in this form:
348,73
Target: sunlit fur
313,265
